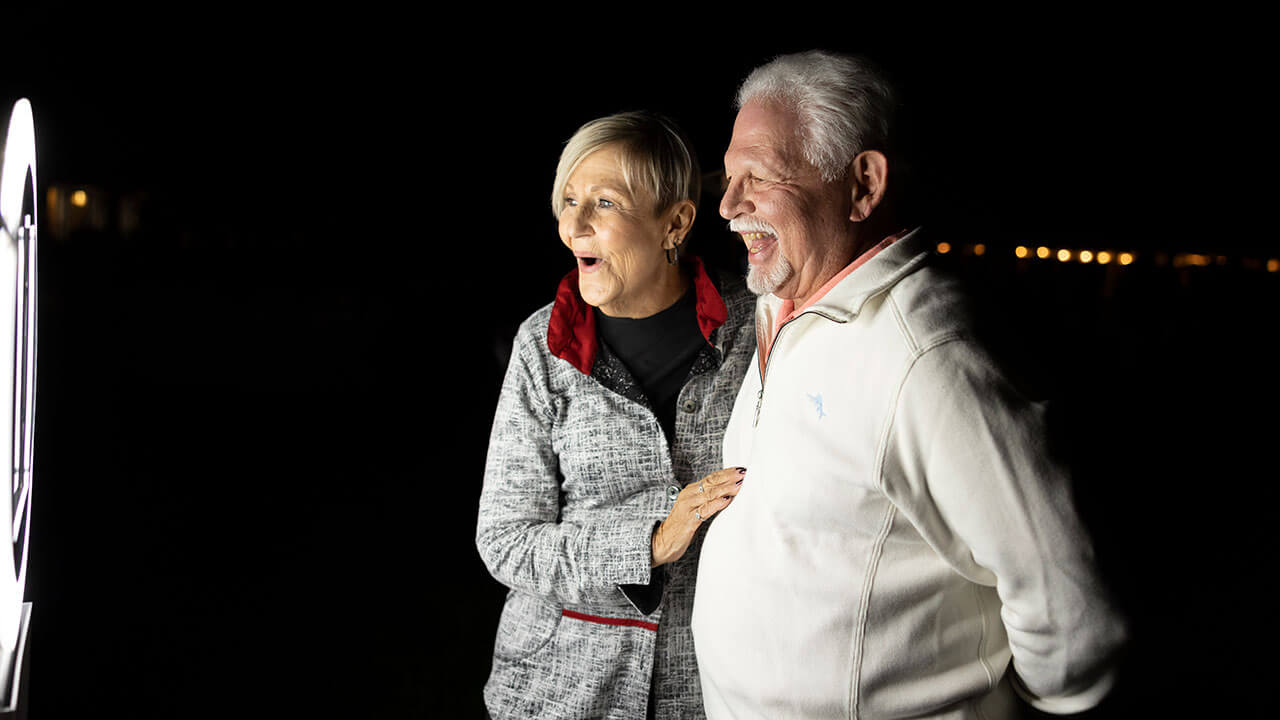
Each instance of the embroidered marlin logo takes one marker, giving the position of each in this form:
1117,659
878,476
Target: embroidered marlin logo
817,404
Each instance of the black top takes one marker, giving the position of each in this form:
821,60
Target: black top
658,351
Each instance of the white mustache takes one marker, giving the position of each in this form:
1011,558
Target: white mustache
750,225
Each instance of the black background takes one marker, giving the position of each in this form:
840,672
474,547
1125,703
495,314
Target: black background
262,417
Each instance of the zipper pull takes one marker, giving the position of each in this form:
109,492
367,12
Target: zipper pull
759,400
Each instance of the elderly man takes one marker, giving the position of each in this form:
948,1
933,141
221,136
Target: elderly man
902,534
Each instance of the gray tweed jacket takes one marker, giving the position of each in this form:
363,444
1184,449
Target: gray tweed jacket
578,475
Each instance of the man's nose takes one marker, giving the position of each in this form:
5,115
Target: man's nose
734,202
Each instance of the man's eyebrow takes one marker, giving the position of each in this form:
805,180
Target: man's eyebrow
754,157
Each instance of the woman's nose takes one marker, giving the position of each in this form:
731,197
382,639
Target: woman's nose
577,221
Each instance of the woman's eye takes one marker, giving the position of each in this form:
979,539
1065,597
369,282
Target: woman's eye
605,203
570,202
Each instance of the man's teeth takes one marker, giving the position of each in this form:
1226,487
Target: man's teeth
753,240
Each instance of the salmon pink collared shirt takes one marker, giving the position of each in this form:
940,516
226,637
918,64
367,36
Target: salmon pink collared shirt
788,311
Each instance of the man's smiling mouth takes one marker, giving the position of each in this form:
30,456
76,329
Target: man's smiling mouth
757,242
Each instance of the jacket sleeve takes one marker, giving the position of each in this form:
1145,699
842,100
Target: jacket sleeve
520,535
987,495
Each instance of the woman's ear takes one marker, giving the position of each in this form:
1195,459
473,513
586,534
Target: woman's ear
868,174
679,221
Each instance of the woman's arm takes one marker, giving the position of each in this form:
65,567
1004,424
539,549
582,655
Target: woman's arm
520,535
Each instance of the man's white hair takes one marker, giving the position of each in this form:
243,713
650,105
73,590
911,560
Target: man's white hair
845,105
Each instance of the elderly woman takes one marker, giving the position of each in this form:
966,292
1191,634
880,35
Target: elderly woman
604,464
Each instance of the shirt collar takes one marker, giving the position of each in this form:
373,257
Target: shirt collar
571,334
843,296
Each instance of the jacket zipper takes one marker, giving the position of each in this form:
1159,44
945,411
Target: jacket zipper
764,375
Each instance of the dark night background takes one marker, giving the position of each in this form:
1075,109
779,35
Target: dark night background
272,343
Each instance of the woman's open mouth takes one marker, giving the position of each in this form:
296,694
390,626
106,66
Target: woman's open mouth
589,263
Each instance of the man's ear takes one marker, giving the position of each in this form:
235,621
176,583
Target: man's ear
868,174
680,220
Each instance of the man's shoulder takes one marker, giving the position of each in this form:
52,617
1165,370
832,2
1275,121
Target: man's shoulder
932,304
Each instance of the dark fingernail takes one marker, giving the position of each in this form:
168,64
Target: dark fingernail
741,470
739,482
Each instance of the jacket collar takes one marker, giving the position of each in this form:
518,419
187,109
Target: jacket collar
571,334
845,300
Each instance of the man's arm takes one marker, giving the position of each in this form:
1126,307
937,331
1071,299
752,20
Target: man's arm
1000,510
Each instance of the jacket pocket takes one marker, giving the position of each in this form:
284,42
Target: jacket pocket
527,625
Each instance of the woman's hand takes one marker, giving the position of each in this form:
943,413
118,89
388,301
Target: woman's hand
695,504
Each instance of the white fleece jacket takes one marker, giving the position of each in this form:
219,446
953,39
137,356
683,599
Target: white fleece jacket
902,533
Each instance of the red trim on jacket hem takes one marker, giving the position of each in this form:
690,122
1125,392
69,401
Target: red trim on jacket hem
610,621
571,334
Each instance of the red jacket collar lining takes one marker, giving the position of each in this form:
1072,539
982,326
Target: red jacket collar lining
571,334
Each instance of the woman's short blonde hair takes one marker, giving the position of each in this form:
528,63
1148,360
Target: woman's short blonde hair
658,159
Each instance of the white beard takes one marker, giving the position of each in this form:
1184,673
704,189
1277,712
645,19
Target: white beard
762,281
